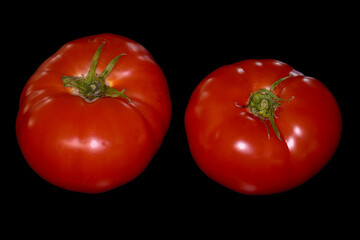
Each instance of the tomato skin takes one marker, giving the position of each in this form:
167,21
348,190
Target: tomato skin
231,145
97,146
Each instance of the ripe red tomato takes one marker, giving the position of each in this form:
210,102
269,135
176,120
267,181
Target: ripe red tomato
79,129
260,127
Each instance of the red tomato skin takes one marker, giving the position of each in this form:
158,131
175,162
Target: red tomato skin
98,146
231,145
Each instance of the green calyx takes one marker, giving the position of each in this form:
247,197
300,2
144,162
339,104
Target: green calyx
263,104
93,86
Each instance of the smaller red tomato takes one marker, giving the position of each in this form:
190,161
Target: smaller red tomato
260,127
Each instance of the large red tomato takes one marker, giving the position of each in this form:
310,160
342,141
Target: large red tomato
79,129
260,127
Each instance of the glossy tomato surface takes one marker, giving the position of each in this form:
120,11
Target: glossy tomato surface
94,146
231,145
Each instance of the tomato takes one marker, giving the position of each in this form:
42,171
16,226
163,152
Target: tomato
79,129
260,127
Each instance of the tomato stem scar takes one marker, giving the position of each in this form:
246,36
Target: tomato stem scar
93,86
263,104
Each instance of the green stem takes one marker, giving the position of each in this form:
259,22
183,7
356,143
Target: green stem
263,104
277,82
93,86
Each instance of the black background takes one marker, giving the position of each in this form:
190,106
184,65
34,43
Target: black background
188,42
